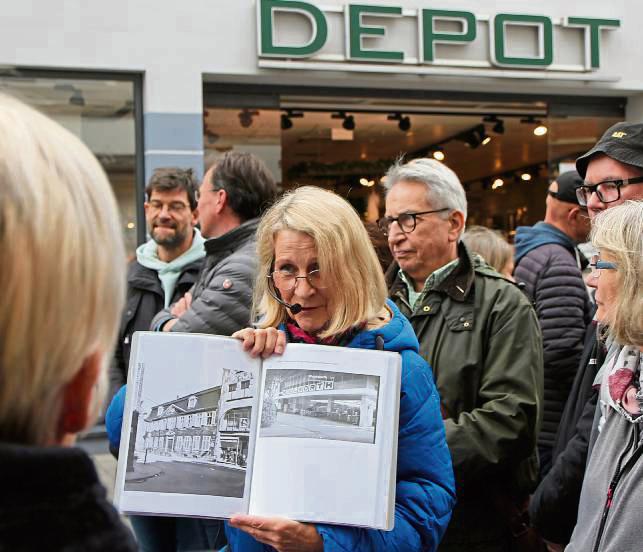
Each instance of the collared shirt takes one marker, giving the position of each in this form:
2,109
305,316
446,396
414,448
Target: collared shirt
434,280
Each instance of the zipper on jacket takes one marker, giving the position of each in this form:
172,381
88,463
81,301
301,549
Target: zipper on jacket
615,480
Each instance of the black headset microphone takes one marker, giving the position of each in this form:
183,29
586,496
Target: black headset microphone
295,308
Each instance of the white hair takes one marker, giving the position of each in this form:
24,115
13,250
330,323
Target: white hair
63,282
443,186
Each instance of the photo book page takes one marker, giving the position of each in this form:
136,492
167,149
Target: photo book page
326,448
188,427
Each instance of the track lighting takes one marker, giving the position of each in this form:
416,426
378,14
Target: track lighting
286,118
348,120
498,124
540,129
403,121
246,117
438,153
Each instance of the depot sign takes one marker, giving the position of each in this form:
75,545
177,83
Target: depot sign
363,21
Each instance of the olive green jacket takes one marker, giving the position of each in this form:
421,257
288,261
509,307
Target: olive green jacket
481,336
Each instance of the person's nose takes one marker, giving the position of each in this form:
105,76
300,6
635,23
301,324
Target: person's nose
594,205
303,288
395,234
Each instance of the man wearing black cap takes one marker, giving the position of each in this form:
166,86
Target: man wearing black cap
613,172
549,264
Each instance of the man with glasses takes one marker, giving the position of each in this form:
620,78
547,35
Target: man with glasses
612,172
481,337
549,265
166,266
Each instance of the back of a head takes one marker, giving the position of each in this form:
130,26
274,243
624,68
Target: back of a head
249,185
619,232
490,245
345,255
63,288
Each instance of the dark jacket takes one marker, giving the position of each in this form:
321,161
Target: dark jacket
549,265
480,334
222,296
52,500
145,298
425,489
554,506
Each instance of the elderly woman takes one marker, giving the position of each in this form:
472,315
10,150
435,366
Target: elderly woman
492,247
612,494
63,289
320,282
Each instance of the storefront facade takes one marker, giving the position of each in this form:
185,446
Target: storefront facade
319,90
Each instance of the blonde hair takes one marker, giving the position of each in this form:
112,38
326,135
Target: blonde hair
619,232
490,245
345,254
63,282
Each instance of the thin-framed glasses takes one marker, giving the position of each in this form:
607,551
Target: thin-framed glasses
406,221
175,207
286,280
608,191
597,264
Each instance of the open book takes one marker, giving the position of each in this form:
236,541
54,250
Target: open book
208,431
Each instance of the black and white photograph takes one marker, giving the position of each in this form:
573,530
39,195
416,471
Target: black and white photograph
319,404
190,427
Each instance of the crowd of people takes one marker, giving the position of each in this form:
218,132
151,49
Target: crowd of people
521,400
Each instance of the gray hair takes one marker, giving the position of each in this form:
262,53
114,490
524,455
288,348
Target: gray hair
443,187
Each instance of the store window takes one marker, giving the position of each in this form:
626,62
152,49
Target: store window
101,112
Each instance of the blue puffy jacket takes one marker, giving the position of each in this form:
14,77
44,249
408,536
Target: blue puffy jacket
425,492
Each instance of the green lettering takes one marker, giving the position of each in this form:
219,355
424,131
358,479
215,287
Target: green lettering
545,38
431,37
592,28
267,9
357,30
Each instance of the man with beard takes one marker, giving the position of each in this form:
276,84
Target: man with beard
166,266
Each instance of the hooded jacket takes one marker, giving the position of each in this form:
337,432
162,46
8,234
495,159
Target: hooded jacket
151,285
480,335
425,488
549,265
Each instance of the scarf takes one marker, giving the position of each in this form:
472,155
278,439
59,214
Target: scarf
625,383
296,335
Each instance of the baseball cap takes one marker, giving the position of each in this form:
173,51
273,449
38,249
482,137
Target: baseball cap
564,187
622,141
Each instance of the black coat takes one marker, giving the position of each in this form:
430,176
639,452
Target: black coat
51,500
145,298
554,504
555,284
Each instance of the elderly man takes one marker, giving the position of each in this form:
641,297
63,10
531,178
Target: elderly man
613,173
480,335
549,265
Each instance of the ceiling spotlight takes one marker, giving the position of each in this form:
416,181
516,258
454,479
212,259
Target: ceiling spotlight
486,140
438,153
286,122
525,176
498,124
246,117
349,123
497,183
77,98
403,121
540,130
366,182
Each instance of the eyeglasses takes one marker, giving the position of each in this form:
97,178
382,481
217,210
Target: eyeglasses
607,191
596,264
175,207
406,221
285,280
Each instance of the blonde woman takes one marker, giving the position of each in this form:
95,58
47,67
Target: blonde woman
63,289
492,247
612,494
320,282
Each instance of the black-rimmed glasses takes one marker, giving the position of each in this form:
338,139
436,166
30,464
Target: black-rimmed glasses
285,280
608,191
406,221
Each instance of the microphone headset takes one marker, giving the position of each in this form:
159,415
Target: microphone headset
294,309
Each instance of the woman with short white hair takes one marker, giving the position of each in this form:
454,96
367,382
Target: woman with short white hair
320,281
612,494
63,290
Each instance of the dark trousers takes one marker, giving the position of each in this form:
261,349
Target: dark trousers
167,534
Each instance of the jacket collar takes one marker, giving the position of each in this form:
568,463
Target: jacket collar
457,285
234,239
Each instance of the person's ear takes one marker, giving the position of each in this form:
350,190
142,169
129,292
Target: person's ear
195,217
456,225
78,397
221,201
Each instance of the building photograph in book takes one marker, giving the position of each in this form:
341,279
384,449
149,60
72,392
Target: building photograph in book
318,404
194,442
